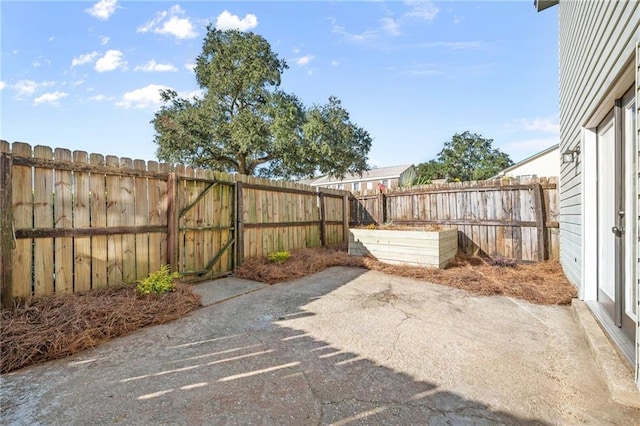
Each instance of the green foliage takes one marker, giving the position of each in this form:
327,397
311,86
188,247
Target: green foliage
467,156
278,257
245,123
159,282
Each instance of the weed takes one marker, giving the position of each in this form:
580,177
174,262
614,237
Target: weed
159,282
278,256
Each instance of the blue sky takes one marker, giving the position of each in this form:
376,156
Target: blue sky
86,75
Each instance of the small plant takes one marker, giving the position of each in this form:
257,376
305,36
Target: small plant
159,282
278,257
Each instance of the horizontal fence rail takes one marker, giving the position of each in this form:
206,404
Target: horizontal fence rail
512,218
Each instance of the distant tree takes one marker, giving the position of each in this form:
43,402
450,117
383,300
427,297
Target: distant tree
467,156
426,172
244,123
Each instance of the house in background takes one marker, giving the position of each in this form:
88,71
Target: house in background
389,177
599,62
543,164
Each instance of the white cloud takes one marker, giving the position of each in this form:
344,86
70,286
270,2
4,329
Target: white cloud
304,60
36,64
356,38
335,63
112,60
51,98
453,45
152,65
391,26
103,9
542,124
83,59
25,87
169,22
104,40
98,98
190,66
145,97
546,125
2,85
149,96
422,10
295,50
51,38
227,21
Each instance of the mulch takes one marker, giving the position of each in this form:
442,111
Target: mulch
42,329
541,283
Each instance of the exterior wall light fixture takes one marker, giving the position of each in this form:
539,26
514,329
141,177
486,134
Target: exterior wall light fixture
570,155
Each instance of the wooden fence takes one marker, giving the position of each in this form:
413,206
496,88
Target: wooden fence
515,219
72,221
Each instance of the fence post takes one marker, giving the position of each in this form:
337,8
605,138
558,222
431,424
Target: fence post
6,227
541,217
345,218
380,219
172,221
323,223
240,224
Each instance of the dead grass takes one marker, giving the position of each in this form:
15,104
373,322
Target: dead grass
43,329
542,283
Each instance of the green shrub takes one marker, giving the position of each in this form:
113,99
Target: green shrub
159,282
278,257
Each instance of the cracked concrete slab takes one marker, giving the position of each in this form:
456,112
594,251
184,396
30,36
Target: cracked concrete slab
345,346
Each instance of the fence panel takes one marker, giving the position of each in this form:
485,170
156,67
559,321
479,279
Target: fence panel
85,221
515,219
81,221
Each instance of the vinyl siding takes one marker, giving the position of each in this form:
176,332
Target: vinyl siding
596,40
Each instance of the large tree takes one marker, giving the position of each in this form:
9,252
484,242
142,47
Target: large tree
467,156
245,123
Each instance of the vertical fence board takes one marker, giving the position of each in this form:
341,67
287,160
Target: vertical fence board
114,242
128,218
156,260
98,217
22,219
166,192
141,218
43,199
81,219
63,208
6,225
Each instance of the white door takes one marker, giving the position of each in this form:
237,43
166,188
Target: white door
615,283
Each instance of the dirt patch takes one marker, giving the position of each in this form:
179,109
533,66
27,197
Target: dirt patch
542,283
42,329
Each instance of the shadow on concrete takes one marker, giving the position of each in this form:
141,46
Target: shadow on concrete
236,363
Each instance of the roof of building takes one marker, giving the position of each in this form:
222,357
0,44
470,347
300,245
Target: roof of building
528,159
373,174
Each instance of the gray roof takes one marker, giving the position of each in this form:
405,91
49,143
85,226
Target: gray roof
390,172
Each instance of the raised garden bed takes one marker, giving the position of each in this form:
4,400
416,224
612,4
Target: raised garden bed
432,248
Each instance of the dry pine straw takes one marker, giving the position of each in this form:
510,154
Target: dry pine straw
541,283
37,330
42,329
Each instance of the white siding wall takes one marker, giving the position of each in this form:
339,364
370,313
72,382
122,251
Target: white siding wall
546,165
596,40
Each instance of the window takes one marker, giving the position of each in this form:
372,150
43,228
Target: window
356,186
340,186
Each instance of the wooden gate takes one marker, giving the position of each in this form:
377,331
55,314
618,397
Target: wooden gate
204,223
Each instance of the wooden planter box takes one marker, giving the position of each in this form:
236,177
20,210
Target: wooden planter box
410,247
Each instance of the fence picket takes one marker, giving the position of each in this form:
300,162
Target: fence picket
43,193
